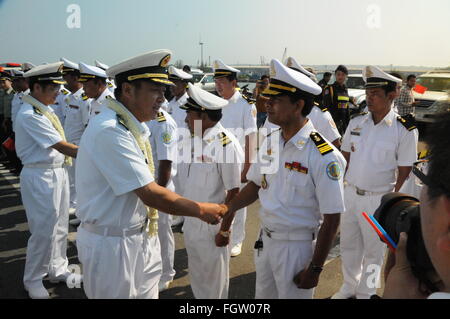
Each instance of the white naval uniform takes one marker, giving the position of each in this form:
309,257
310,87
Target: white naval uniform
240,115
324,124
60,106
44,187
208,178
119,259
322,121
292,204
16,103
76,119
111,85
178,114
375,153
163,139
96,105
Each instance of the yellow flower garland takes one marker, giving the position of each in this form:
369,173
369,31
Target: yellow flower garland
52,118
145,148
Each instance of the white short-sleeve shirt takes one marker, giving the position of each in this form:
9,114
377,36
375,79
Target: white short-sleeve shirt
109,167
298,183
96,105
16,103
323,122
377,150
178,114
60,106
77,115
215,168
34,137
239,117
163,139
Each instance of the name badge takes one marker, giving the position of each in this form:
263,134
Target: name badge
355,133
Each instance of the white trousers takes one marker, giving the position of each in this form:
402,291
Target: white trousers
45,196
119,267
209,265
238,234
167,242
73,192
362,252
276,266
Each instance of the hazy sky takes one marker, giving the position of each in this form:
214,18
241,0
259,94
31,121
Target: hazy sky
381,32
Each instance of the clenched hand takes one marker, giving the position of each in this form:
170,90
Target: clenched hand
212,213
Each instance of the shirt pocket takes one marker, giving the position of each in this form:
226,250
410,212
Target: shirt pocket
298,189
384,153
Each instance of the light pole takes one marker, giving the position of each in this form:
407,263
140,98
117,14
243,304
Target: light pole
201,47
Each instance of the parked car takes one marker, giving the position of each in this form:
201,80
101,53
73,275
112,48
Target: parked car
438,89
357,91
205,81
429,114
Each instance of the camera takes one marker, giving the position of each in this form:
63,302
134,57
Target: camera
399,213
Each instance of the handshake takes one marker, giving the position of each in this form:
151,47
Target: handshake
212,213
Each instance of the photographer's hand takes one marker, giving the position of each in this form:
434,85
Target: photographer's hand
401,283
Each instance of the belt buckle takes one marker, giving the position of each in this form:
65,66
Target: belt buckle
360,192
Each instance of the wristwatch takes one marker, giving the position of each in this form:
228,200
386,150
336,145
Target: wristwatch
315,268
225,233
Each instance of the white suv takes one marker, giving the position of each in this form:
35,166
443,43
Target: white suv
356,90
438,85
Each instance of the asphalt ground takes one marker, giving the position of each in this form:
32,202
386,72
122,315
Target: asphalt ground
14,235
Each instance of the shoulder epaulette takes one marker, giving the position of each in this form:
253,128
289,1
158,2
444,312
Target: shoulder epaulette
321,107
65,92
84,97
422,155
323,146
36,110
358,114
408,123
160,117
110,85
224,139
121,121
248,99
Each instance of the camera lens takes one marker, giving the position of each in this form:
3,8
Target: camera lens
399,213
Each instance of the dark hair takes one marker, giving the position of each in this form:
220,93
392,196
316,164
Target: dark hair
438,140
397,75
232,77
341,68
32,81
410,77
75,73
391,87
118,89
265,76
213,115
305,96
327,74
186,68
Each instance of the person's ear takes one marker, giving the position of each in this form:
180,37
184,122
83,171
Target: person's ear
443,242
127,90
391,95
299,105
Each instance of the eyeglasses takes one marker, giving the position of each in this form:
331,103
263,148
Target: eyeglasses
424,179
